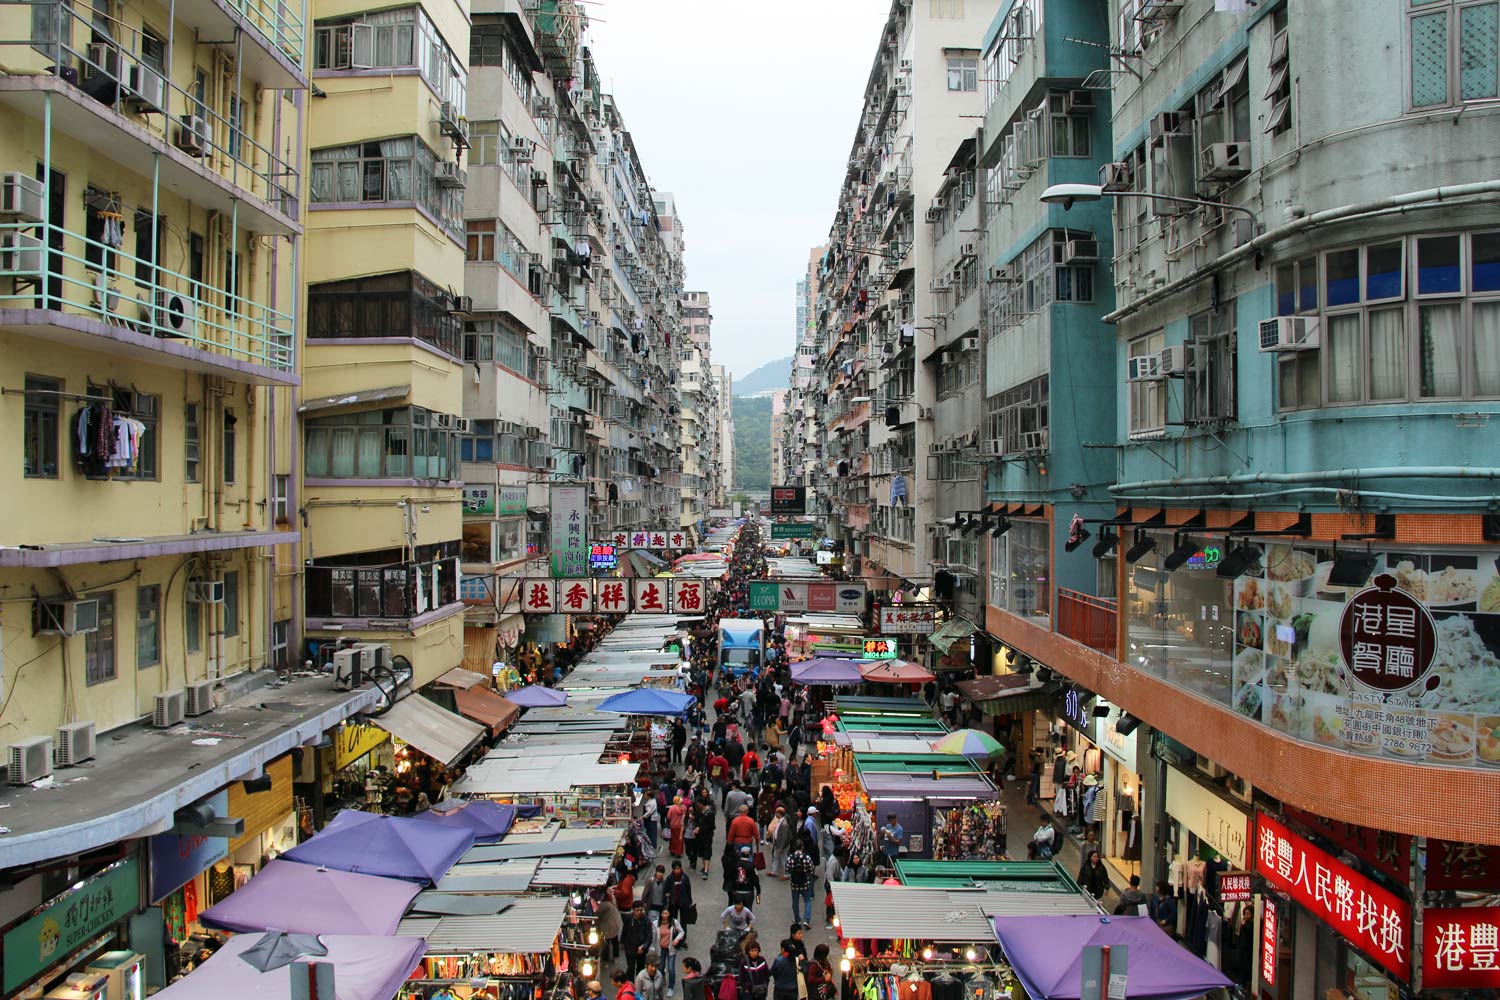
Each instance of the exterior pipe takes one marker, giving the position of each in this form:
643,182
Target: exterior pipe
1266,239
1325,490
1321,476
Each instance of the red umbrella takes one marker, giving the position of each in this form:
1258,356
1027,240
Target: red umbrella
894,672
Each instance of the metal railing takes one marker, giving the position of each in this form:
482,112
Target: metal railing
1089,620
48,267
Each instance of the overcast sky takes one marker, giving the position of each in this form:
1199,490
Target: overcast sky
746,112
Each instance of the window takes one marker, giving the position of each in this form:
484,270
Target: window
228,447
492,341
380,444
41,428
141,407
99,645
232,603
281,640
949,9
192,624
153,50
281,499
147,626
1148,400
402,304
489,46
191,446
1223,108
481,246
1455,52
963,72
102,223
397,170
1279,92
1015,418
236,118
1210,392
485,148
1038,278
1020,578
404,38
149,239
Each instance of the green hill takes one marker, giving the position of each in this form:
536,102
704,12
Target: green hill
771,375
752,442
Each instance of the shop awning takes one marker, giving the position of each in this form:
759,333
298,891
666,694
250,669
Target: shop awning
300,899
1004,694
518,847
824,670
592,872
555,776
489,877
1046,953
894,672
392,846
899,912
951,631
527,927
430,728
490,821
366,967
458,677
447,904
344,400
996,876
485,706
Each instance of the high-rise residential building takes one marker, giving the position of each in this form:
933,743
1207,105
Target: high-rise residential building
883,311
697,313
724,387
779,419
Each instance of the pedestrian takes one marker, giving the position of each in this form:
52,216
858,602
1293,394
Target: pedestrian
635,939
624,888
608,922
680,896
1163,908
624,988
799,869
737,798
737,917
702,849
1093,878
892,838
677,824
811,834
754,975
718,772
750,766
654,895
693,984
650,984
780,837
679,740
741,882
835,870
649,815
799,946
593,991
743,831
784,972
669,937
1132,901
820,975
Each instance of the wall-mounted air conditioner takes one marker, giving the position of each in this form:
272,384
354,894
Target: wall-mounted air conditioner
200,698
170,706
30,760
205,591
20,253
74,744
174,315
67,617
21,197
1289,333
1146,368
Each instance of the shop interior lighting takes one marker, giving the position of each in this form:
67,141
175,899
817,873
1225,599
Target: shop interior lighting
1100,711
1238,562
849,952
1185,549
1127,724
1352,569
1143,543
1106,544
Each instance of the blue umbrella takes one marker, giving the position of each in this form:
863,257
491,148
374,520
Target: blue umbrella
647,701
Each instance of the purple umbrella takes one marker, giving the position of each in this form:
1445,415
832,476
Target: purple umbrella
826,670
392,846
490,821
1047,955
326,902
536,696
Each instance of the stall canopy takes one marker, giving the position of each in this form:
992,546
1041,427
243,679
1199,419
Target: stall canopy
1047,955
486,707
826,670
902,912
894,672
458,677
304,900
648,701
527,927
969,743
384,845
1000,876
933,776
953,630
490,821
1005,694
366,967
430,728
536,696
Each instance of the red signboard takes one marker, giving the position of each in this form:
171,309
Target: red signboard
1371,918
1234,887
1386,852
1460,948
1268,943
1453,865
1388,638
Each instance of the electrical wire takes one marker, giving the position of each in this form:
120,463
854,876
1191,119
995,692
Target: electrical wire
15,681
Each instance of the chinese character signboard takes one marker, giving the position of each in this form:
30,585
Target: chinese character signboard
479,499
688,596
570,548
651,595
658,538
35,945
512,501
788,500
1234,887
1368,916
1268,943
1461,948
907,619
1387,637
575,597
791,531
1454,865
474,589
613,597
603,555
676,539
1388,853
879,649
539,596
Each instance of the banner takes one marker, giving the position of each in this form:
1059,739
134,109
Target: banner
791,531
479,499
570,548
659,539
1217,823
176,858
511,501
84,913
788,500
906,619
1460,948
645,595
841,597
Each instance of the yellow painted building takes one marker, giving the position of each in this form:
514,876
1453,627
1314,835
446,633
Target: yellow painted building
382,371
151,187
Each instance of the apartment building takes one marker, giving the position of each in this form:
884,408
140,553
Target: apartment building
885,298
775,460
804,404
723,387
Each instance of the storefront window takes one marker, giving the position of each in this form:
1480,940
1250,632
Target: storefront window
1020,578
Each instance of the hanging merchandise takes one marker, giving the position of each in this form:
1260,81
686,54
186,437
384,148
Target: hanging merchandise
971,832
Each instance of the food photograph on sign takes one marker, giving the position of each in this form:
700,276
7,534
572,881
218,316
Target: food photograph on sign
1397,656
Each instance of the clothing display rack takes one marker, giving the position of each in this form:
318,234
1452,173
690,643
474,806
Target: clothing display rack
969,833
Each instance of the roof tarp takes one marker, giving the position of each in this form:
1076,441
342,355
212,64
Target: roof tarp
460,678
486,707
366,967
392,846
1004,694
895,672
298,899
490,821
824,670
527,927
648,701
430,728
1046,953
951,631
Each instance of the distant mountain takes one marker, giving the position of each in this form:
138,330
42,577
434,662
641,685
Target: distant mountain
772,375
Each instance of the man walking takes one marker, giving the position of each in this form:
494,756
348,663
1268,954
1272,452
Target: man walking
799,871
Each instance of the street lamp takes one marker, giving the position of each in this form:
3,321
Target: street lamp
1067,195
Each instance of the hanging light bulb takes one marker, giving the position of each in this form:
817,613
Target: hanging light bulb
836,923
970,954
844,965
927,953
593,936
587,968
849,952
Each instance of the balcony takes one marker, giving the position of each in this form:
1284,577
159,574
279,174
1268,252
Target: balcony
84,294
1092,621
372,596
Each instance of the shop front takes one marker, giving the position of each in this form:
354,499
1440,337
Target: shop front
945,804
1094,779
79,938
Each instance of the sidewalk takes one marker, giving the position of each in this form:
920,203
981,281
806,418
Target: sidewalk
1022,821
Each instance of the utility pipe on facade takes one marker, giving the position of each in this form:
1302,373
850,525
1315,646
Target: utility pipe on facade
1320,476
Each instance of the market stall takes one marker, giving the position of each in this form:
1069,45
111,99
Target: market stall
513,954
390,846
301,899
1047,955
565,778
365,967
928,793
996,876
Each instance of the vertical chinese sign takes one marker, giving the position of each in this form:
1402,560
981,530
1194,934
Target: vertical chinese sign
570,547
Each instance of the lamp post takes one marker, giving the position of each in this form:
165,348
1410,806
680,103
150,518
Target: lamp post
1067,195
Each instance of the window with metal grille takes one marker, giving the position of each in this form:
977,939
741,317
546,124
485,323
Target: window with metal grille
41,428
1454,49
1210,394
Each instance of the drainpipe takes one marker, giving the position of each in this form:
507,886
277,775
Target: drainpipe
1267,239
1321,476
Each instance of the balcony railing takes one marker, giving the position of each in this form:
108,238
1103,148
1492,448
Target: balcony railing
48,267
393,591
1089,620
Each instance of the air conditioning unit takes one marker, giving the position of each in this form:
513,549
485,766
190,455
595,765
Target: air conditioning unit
969,343
935,211
30,760
1173,360
1033,441
74,744
462,305
1209,768
1289,333
999,275
1158,10
991,448
542,107
170,706
192,135
533,433
941,284
450,175
1163,125
20,253
967,250
105,298
520,150
1080,251
21,197
147,89
174,315
442,420
103,60
1079,102
1115,177
67,617
200,698
531,6
205,591
1225,161
462,425
348,669
1146,368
